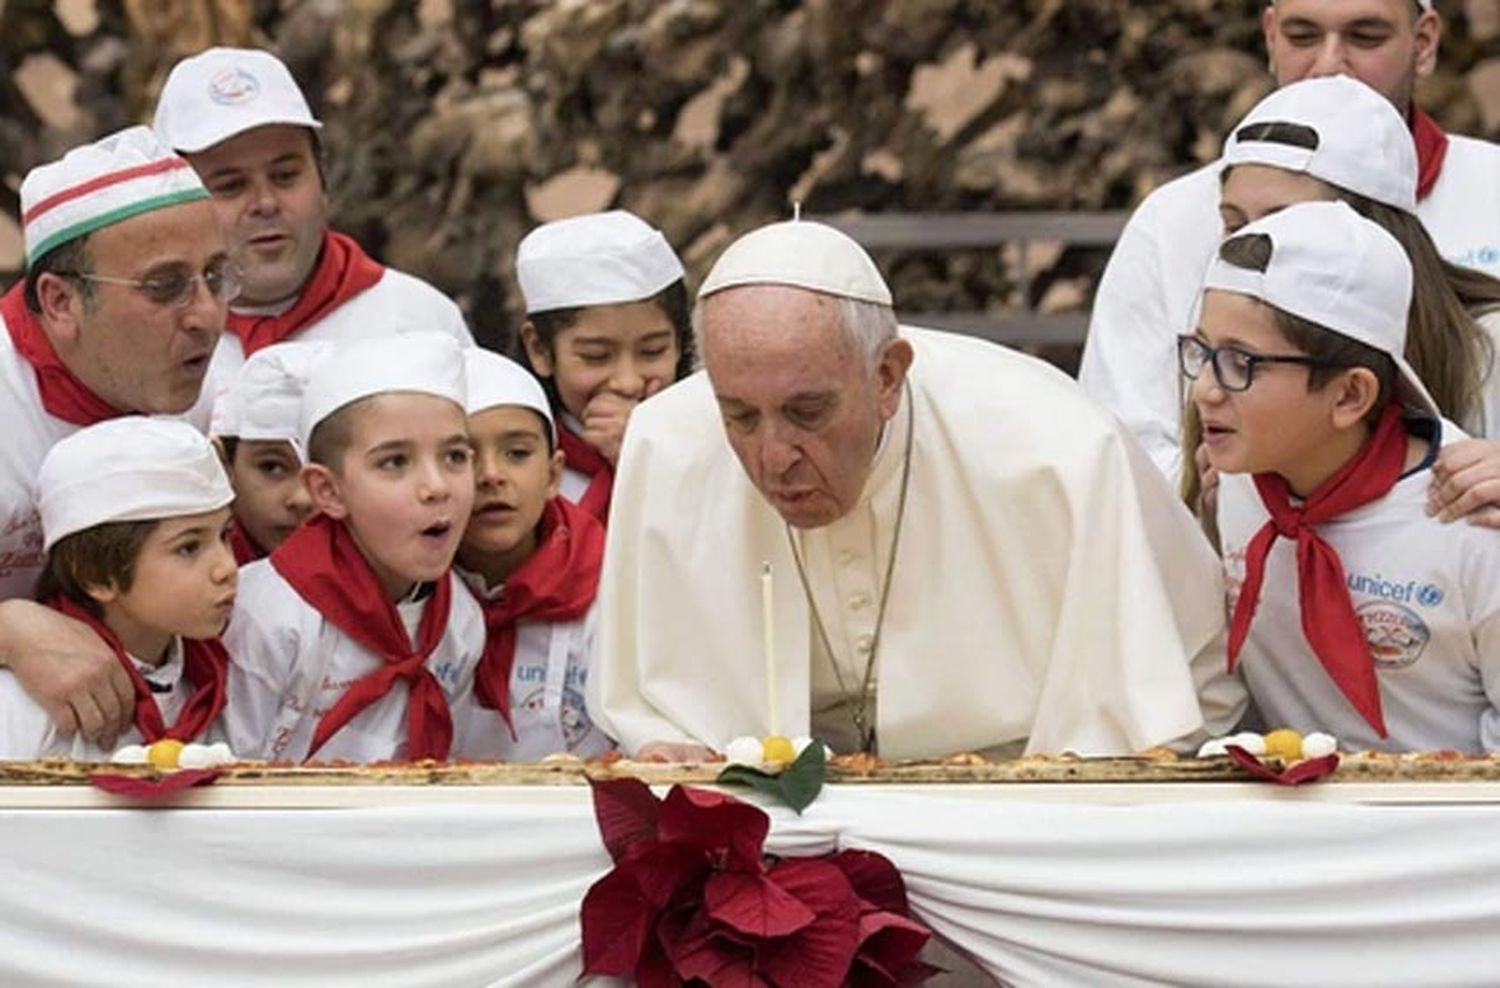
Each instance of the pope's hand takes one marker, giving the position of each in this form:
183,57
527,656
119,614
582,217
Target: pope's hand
67,669
1466,483
606,416
672,751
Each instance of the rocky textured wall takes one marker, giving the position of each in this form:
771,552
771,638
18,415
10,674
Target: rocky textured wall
455,125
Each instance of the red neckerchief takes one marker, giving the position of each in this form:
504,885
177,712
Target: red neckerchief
205,667
321,561
587,460
557,583
63,395
243,546
1432,148
344,270
1328,618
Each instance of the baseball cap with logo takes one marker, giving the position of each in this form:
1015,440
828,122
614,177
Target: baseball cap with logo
1336,129
1338,270
222,92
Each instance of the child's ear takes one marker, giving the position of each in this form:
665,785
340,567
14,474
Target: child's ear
536,351
323,488
1358,390
102,593
554,473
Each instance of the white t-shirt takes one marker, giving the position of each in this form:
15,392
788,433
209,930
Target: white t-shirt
1149,292
290,665
27,733
398,302
1428,595
547,685
28,433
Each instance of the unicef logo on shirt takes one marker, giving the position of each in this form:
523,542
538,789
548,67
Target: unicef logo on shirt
233,87
1396,635
1430,595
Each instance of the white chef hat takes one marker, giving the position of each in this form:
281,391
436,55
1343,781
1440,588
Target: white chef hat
594,259
418,362
219,93
802,254
264,399
1334,268
1336,129
96,185
128,469
495,380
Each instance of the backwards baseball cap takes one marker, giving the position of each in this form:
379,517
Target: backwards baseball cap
263,402
802,254
1336,129
96,185
493,381
219,93
1338,270
427,363
594,259
128,469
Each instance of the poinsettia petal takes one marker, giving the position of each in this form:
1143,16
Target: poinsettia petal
753,904
889,942
820,953
626,811
714,821
665,870
616,920
875,880
697,951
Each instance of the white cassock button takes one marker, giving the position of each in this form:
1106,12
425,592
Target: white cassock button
846,558
863,644
858,602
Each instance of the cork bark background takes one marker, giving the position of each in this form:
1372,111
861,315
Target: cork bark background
453,126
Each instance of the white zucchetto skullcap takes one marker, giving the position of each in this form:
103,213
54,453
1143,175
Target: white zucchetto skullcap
413,363
494,380
223,92
96,185
131,468
594,259
801,254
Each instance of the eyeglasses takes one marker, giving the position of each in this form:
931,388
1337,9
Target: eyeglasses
1234,368
179,288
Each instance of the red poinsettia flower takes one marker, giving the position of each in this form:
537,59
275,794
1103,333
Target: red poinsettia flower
692,897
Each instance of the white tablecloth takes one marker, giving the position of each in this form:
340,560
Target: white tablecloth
482,888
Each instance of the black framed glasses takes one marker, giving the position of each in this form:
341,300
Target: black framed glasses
178,288
1234,368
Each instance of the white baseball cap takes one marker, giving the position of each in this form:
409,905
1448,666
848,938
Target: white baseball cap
1336,129
131,468
422,362
219,93
1334,268
119,176
802,254
264,399
594,259
493,380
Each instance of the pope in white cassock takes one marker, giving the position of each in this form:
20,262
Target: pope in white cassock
968,555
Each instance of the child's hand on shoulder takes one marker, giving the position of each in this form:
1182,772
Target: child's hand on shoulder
1466,483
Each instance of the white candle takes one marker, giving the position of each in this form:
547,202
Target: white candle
768,631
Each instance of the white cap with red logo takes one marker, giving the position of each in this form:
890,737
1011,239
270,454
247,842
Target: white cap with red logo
223,92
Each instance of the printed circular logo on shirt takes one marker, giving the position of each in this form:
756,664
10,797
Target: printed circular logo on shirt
233,87
1396,635
1430,595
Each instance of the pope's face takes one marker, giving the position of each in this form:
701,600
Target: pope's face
802,408
1385,44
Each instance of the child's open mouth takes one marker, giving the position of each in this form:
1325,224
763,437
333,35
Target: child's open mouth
437,529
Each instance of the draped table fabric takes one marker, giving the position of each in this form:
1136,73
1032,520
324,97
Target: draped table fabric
1042,885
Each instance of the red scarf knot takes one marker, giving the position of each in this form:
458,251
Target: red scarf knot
1328,619
321,561
64,396
557,583
205,667
343,271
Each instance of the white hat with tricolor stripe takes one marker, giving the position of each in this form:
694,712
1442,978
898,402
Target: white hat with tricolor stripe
126,174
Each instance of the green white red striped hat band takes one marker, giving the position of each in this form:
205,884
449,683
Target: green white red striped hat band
125,174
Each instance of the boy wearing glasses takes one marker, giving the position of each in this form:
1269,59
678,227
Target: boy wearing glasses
127,284
1352,611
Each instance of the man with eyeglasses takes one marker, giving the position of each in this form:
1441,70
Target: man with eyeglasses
127,284
1149,290
239,117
